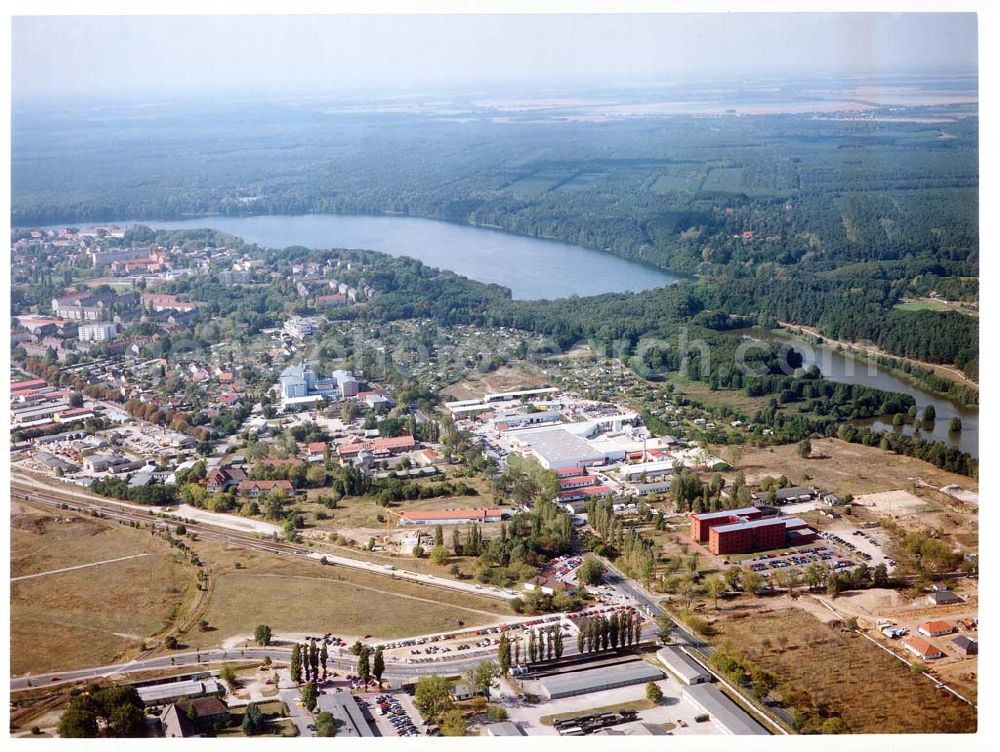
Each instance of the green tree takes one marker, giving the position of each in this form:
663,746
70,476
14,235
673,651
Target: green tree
503,653
496,714
666,626
439,555
326,724
751,581
835,725
228,675
654,693
805,449
262,634
453,724
295,664
78,722
438,535
484,677
309,695
432,696
378,665
715,586
364,667
253,720
591,572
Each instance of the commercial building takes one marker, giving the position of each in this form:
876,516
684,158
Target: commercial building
449,516
746,536
558,448
599,679
702,523
301,384
167,692
345,710
682,665
631,473
741,531
727,716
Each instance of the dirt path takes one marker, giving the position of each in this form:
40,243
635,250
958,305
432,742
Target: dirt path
949,371
78,566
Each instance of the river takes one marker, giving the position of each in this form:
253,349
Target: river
841,367
532,268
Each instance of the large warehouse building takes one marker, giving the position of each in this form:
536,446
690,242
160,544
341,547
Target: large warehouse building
599,679
682,665
727,716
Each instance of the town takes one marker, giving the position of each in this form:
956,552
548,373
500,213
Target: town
584,549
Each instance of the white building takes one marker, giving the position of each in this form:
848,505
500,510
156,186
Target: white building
96,332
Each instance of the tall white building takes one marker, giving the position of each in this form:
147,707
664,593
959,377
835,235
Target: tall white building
96,332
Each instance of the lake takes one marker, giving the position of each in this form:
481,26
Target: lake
531,267
840,367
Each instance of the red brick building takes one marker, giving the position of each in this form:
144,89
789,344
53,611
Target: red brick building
747,536
702,523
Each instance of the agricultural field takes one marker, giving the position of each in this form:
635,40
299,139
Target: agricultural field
93,615
248,588
831,672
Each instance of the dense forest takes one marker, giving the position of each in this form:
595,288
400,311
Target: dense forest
826,222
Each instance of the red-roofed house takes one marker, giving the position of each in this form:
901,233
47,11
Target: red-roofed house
936,628
921,648
379,447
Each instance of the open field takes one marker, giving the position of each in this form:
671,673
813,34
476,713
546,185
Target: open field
92,616
833,671
848,468
251,588
503,379
701,392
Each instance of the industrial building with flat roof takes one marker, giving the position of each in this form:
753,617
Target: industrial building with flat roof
702,523
682,665
503,728
346,710
727,716
558,449
161,694
599,679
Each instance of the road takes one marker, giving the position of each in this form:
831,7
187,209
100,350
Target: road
681,633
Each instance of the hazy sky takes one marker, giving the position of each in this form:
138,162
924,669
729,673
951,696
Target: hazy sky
145,55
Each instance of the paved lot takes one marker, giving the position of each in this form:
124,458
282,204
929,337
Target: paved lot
671,709
382,722
301,717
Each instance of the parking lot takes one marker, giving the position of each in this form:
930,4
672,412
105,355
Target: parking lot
394,713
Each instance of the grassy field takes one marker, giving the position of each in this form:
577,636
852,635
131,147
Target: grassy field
700,391
297,597
846,468
839,672
91,616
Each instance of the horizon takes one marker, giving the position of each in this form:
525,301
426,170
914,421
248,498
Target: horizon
100,58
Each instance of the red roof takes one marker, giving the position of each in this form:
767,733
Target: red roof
314,447
265,485
385,444
20,386
921,646
937,627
